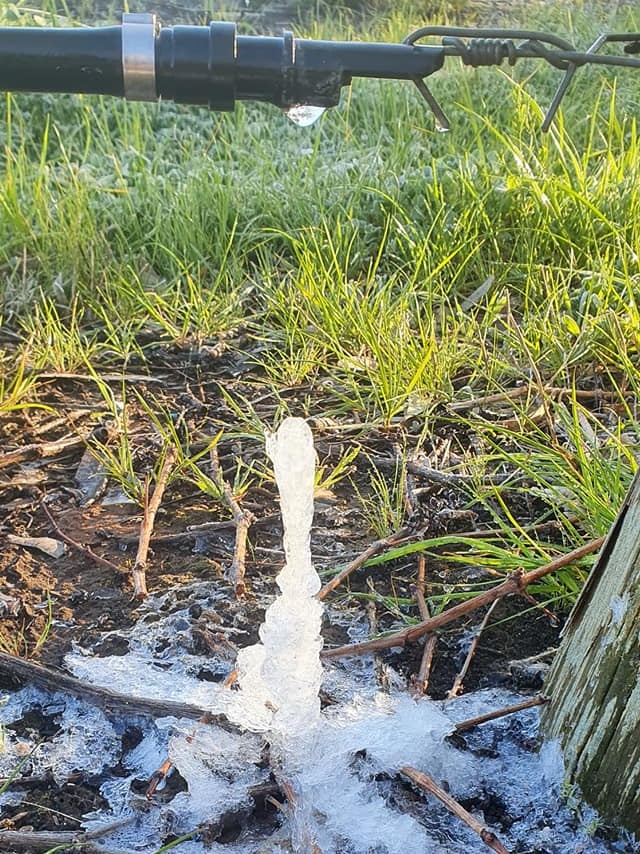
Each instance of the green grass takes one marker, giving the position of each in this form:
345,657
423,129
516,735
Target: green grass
350,255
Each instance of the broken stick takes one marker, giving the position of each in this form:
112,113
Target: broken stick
18,671
515,583
242,520
79,547
420,682
151,506
395,539
428,784
456,688
538,700
60,840
40,450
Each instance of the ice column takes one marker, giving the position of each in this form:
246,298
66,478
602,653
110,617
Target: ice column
280,678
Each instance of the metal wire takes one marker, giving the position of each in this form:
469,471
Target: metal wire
483,51
479,47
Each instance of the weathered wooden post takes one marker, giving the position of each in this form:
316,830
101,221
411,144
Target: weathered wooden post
594,681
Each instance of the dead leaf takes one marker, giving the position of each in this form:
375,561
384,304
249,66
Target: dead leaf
51,547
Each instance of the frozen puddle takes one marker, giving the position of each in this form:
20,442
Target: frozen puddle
339,766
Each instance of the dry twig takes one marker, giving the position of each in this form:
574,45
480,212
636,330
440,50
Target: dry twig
538,700
515,583
436,477
395,539
158,777
151,506
113,704
40,450
62,421
425,782
421,681
47,840
456,688
192,532
242,519
310,844
372,617
74,544
529,389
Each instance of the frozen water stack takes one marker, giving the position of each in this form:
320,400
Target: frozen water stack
280,678
280,681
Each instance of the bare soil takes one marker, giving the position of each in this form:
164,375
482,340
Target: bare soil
73,598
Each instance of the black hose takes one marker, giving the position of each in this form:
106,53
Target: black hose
199,65
34,59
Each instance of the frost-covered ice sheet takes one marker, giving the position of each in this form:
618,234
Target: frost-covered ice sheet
340,764
355,801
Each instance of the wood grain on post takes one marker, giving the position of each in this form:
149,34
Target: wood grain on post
594,681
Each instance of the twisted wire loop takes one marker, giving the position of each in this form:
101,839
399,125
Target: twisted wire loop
483,52
478,47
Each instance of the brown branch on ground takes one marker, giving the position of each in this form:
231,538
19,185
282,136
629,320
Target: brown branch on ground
151,506
162,772
310,844
398,538
427,784
158,777
232,678
437,477
538,700
40,450
528,389
192,532
65,420
409,500
372,618
118,378
553,618
456,688
59,840
420,682
74,544
499,533
515,583
243,519
17,671
39,781
405,535
32,841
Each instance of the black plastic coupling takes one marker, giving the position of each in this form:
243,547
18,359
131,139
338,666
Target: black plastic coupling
214,65
199,65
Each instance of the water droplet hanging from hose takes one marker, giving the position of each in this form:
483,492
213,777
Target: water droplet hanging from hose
304,115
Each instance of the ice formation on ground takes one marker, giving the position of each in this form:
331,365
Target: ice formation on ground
341,764
280,677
